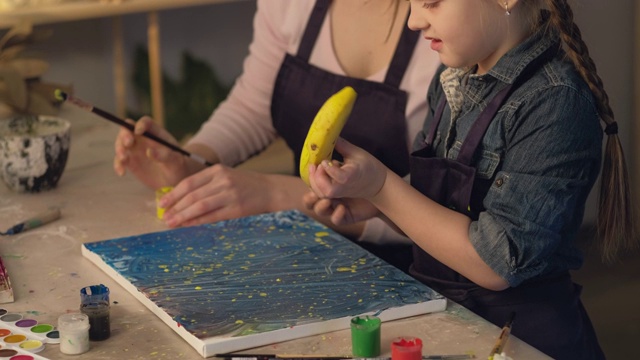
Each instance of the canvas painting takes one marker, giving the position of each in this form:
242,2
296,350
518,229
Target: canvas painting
258,280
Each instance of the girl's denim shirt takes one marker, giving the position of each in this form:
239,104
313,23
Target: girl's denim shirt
542,153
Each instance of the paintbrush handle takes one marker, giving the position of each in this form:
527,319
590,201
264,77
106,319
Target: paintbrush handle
34,222
146,134
41,219
108,116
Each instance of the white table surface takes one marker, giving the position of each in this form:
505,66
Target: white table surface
47,269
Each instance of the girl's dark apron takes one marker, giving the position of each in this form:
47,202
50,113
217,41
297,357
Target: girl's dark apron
550,315
377,122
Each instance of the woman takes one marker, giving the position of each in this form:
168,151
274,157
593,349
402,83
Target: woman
302,52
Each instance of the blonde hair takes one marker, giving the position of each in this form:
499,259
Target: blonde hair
615,226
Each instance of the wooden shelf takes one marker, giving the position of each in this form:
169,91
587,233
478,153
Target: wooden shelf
89,9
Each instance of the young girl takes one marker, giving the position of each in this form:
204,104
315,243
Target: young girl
501,171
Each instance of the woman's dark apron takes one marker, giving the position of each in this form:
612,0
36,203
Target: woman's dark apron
550,315
377,122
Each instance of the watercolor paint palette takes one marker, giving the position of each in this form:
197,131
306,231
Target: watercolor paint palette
258,280
22,338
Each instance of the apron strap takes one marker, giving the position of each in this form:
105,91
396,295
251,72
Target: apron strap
436,121
480,126
402,57
313,28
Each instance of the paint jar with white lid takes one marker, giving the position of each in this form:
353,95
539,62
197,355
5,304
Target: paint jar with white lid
74,333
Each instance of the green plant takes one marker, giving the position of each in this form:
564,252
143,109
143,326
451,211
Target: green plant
188,102
21,89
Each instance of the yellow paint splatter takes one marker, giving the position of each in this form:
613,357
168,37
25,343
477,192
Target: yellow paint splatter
198,287
322,234
345,269
239,322
263,294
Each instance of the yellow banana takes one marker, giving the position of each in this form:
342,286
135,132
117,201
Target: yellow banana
325,129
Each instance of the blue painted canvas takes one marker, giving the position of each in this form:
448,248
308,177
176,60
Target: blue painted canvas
257,274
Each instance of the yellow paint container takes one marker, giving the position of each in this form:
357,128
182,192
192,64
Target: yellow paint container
159,194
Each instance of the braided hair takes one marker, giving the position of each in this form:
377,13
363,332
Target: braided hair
615,224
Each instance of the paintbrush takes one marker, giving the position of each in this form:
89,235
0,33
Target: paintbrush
34,222
62,96
504,336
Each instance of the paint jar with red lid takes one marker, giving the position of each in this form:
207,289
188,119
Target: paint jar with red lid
406,348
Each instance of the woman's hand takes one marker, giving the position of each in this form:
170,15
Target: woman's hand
220,193
153,164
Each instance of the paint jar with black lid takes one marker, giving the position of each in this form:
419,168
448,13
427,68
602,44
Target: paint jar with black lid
94,302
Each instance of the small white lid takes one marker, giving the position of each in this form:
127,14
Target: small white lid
73,322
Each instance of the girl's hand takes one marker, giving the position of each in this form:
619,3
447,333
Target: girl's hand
153,164
220,193
360,176
340,211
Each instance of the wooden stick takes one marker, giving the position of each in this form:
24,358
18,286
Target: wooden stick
155,69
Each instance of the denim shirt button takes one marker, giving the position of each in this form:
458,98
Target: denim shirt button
499,182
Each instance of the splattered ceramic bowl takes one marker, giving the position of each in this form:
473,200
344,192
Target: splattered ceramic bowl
33,152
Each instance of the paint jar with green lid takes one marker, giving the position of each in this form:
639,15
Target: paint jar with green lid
74,333
365,336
